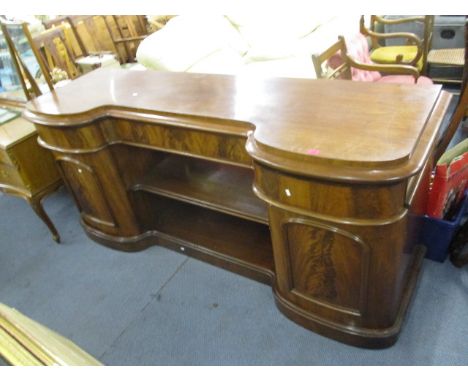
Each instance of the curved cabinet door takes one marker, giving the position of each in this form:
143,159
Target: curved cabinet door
88,192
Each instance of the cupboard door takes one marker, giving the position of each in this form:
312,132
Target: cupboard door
89,194
325,265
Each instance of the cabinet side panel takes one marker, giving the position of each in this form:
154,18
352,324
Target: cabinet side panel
35,164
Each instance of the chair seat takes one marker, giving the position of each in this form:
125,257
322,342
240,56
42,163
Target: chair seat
388,54
453,57
405,79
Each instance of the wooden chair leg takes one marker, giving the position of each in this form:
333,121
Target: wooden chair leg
36,204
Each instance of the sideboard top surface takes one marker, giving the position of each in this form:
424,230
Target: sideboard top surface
366,123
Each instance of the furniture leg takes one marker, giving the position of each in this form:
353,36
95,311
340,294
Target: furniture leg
36,204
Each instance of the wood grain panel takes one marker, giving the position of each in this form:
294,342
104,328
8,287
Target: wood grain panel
343,200
327,265
224,147
87,136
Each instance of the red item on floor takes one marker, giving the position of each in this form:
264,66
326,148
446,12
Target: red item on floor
449,183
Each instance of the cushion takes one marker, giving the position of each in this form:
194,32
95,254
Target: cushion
222,61
187,39
327,33
388,54
405,79
298,66
358,48
254,27
272,37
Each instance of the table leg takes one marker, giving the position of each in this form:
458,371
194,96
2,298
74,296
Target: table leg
36,204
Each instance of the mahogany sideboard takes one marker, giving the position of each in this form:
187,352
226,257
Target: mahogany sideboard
312,186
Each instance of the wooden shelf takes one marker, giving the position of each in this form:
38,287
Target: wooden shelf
231,242
220,187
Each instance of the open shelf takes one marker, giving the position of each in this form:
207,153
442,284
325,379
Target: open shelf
234,243
219,187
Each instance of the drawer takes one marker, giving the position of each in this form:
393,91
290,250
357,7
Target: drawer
9,176
4,157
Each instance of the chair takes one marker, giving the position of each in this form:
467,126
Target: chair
350,60
79,44
55,46
28,63
95,33
72,36
446,65
127,31
156,22
26,170
414,52
90,34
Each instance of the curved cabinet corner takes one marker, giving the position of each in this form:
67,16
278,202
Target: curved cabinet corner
342,269
88,193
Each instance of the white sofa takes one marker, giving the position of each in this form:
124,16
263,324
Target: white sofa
243,44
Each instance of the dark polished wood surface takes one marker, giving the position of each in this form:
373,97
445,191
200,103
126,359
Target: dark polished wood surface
312,186
275,107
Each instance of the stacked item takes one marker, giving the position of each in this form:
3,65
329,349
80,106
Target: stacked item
446,58
448,202
449,183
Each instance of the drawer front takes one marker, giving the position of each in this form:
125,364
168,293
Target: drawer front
9,176
4,157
